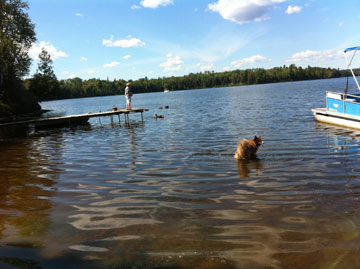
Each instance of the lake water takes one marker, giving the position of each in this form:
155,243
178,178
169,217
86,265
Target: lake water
167,193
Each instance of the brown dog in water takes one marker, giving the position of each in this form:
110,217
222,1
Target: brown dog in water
246,149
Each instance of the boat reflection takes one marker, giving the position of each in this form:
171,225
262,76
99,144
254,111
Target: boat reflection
340,139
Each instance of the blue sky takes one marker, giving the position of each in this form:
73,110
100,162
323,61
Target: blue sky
132,39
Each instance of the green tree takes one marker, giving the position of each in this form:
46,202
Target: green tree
44,83
16,38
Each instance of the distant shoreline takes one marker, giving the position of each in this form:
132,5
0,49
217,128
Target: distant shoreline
197,88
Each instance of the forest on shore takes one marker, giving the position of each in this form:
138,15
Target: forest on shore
77,88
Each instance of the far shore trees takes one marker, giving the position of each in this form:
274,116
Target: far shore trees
77,88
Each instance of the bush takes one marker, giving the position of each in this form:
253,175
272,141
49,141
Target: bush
18,101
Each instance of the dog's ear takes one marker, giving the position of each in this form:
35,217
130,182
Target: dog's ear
255,137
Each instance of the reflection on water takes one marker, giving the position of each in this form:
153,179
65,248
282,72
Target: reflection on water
336,140
168,194
27,184
247,166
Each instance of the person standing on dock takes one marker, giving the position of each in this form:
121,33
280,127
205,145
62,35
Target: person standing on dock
128,95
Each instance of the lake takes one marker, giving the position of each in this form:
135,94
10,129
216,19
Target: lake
167,193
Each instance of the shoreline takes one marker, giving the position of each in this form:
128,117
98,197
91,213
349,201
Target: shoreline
22,117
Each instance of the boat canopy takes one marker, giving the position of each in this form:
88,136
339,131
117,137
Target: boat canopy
349,61
350,49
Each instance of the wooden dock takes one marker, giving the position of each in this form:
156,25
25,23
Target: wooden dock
75,119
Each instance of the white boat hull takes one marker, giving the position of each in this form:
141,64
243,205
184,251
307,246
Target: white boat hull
340,119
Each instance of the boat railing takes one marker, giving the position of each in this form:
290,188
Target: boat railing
343,96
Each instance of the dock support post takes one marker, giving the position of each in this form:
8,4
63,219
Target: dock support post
142,118
119,120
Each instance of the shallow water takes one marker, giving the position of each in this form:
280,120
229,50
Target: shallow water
167,193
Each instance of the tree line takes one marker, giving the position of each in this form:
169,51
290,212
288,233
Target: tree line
77,88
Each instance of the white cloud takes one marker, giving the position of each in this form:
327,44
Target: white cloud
91,72
135,7
316,56
68,75
206,66
150,72
242,11
226,68
112,64
156,3
293,9
251,60
341,24
79,15
84,59
126,43
127,57
35,50
173,63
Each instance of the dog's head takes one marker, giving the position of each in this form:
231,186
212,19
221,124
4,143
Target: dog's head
258,141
